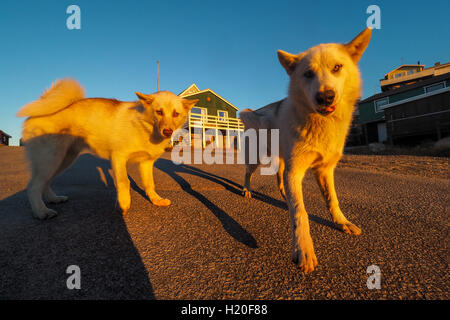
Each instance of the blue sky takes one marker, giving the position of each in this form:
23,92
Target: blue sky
228,46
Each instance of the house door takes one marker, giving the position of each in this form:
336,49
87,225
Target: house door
382,133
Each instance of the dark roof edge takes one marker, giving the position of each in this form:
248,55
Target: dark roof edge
3,132
422,83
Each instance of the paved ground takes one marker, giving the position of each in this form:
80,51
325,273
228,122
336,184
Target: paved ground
214,244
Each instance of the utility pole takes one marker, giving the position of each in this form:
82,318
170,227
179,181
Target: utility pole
157,75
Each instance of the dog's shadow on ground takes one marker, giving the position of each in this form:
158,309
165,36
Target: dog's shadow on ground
172,170
231,226
89,232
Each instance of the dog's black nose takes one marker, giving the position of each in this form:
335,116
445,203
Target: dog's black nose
325,98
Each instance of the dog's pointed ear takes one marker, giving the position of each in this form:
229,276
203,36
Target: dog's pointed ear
189,103
288,61
145,98
356,47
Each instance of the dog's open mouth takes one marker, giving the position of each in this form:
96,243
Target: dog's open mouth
167,132
327,110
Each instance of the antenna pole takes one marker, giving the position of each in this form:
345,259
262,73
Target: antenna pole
157,75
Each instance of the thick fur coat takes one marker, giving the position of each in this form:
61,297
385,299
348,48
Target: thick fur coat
313,123
62,123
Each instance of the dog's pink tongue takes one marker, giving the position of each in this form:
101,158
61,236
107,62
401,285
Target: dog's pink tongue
330,108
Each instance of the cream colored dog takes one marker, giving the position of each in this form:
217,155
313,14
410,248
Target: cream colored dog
62,123
313,121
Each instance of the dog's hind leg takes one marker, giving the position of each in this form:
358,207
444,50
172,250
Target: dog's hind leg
71,155
46,155
325,180
249,170
119,167
280,178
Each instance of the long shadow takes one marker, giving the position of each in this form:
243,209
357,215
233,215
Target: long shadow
88,232
231,226
169,167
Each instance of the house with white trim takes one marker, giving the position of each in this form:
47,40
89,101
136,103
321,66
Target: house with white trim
4,138
213,119
414,104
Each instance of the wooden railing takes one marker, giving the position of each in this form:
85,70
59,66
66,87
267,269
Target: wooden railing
214,122
217,123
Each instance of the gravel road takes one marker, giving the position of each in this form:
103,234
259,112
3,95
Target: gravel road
211,243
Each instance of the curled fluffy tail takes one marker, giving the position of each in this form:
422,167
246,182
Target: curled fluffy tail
61,94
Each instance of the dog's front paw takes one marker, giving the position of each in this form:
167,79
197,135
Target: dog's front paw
305,257
58,199
124,200
349,228
160,202
246,193
45,213
122,211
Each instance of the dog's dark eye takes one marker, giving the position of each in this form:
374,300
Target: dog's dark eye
159,112
337,68
176,114
308,74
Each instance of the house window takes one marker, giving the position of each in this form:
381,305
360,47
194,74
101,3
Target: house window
400,74
198,110
223,115
198,116
381,104
434,87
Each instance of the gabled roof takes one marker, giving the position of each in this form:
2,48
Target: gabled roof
5,134
190,90
193,89
406,65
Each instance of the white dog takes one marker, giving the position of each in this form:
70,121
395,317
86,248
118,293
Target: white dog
313,121
62,123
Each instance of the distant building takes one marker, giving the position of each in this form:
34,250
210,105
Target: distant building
414,103
406,74
213,113
4,138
